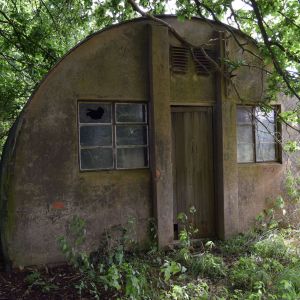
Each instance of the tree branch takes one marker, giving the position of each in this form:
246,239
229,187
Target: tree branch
269,47
228,28
176,34
191,46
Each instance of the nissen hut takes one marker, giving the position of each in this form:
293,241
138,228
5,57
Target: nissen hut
132,123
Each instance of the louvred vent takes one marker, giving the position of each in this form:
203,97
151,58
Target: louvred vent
202,63
179,59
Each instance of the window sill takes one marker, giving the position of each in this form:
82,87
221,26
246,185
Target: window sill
271,163
113,170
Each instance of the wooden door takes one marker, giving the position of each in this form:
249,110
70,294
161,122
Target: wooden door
193,167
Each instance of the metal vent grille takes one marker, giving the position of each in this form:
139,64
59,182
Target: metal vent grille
179,59
202,63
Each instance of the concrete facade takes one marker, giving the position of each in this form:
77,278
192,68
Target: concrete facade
42,187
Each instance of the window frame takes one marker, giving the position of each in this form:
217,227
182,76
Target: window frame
113,125
277,134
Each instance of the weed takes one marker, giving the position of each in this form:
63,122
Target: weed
191,291
114,272
171,268
35,280
286,290
271,247
238,245
186,235
292,275
272,266
259,265
246,272
292,185
208,265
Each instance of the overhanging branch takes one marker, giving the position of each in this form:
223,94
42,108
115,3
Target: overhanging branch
268,44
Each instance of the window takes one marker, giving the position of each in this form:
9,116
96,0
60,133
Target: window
113,135
256,135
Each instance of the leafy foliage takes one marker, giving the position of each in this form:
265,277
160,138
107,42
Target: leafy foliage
208,265
245,273
33,36
35,280
266,266
272,247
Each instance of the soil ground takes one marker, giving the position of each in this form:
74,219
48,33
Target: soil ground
60,280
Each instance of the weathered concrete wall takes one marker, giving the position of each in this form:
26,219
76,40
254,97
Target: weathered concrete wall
225,153
161,134
291,162
259,184
248,80
191,88
48,188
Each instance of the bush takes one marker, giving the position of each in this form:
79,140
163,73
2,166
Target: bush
291,275
272,247
246,272
208,265
272,266
286,290
240,244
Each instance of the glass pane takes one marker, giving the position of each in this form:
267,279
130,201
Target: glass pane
244,114
265,152
245,153
131,112
263,116
95,112
245,134
131,135
131,158
96,135
96,158
265,133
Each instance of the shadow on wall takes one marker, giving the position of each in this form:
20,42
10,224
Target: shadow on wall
1,258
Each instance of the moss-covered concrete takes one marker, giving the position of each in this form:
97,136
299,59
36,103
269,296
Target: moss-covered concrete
42,187
161,134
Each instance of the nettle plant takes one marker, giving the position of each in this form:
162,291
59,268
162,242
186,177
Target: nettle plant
110,272
186,234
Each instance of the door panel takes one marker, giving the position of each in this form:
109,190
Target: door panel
193,167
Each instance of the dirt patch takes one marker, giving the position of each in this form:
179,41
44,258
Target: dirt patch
53,283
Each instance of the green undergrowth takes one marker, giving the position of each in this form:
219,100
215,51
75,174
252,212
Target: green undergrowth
260,264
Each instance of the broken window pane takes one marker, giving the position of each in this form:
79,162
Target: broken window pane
96,158
131,113
95,112
131,135
96,135
130,158
265,152
245,153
